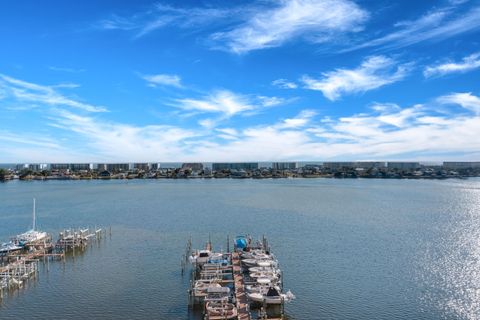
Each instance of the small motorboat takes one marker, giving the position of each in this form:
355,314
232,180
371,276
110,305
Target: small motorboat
260,262
256,254
269,275
218,293
203,256
272,296
260,288
263,269
221,310
200,288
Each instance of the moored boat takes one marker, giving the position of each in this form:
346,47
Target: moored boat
221,310
271,296
9,247
32,236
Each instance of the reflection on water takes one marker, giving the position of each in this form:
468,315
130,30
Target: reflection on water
451,265
349,249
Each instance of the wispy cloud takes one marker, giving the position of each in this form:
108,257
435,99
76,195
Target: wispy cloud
33,93
422,131
301,120
161,16
436,25
172,80
467,64
63,69
374,72
408,133
125,142
251,27
466,100
227,103
29,140
315,20
284,84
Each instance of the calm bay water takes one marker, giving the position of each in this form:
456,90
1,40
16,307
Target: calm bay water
349,249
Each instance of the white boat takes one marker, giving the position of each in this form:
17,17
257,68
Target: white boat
260,288
31,236
217,293
256,254
260,263
221,310
263,269
269,275
9,247
203,256
200,288
272,296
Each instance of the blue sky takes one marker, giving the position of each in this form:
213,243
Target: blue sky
238,81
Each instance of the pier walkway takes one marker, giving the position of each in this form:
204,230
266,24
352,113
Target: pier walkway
240,294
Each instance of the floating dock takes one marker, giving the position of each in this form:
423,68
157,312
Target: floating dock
240,294
244,284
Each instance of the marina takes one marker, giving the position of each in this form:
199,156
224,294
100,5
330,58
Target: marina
243,284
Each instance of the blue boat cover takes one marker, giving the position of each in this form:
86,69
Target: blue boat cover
241,243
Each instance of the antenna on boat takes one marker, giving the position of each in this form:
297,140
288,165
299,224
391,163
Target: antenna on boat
33,215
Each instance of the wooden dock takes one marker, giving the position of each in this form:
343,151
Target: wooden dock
240,294
19,266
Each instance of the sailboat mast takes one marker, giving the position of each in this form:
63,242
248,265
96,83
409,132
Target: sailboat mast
33,215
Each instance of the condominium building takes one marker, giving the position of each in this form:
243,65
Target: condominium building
235,166
284,165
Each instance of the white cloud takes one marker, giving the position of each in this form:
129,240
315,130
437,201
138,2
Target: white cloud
221,101
228,103
252,26
465,100
427,131
207,123
227,133
29,92
436,25
374,72
301,120
284,84
172,80
317,20
114,141
468,63
160,16
270,101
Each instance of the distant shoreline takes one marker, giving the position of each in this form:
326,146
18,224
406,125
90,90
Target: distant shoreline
279,170
46,179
